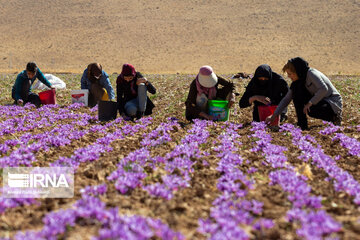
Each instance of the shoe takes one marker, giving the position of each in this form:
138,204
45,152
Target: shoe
337,119
283,117
139,115
303,126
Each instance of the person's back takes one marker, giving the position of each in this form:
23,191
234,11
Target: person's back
315,75
96,80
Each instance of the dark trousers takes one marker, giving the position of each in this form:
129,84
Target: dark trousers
27,96
322,110
95,94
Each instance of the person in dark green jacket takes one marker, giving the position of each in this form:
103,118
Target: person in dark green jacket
21,91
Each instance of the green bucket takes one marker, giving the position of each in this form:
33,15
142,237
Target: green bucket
219,109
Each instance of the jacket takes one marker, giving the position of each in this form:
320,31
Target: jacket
104,81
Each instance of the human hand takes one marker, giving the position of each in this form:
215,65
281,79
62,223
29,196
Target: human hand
269,119
20,101
206,116
231,103
263,99
307,108
141,80
210,118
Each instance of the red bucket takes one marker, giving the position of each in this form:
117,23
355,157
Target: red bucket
48,97
265,111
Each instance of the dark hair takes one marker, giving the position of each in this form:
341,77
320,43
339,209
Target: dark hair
31,67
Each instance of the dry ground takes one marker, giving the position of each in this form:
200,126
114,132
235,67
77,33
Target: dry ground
190,204
179,36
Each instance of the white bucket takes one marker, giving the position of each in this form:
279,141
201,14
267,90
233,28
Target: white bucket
80,96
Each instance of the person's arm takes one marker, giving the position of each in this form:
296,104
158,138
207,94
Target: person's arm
283,104
244,101
321,87
227,85
190,103
84,81
249,98
284,87
42,78
105,81
226,92
18,85
150,88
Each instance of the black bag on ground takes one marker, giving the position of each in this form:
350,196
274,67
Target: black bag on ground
107,110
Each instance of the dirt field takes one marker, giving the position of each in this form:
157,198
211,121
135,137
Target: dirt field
179,36
188,205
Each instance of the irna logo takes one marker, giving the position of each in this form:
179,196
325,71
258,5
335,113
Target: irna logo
27,182
37,180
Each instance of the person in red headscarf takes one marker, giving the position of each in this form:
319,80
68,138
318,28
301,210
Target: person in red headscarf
206,86
131,89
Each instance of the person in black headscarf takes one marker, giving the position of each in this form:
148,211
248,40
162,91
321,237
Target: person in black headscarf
265,88
313,94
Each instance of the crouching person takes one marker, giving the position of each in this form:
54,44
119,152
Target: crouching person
97,82
131,90
21,91
313,94
206,87
265,88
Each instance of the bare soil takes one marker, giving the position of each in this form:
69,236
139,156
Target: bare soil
179,36
188,205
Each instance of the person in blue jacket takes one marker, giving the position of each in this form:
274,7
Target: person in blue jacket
97,82
21,91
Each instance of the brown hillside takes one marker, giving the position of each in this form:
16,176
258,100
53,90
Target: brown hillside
179,36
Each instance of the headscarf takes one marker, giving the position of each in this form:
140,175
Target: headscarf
301,68
263,71
128,70
262,87
94,72
210,92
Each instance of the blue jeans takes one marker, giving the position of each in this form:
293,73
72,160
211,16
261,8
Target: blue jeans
137,104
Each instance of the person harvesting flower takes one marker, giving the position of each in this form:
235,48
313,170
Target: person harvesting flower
206,86
313,94
21,91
